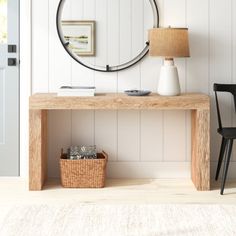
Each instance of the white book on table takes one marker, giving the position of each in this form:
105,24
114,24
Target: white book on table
76,91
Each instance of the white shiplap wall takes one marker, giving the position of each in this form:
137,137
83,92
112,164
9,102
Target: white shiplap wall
145,143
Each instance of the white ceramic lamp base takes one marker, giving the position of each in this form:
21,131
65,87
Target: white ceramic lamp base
169,79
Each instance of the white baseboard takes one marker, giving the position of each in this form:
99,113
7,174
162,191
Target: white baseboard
156,170
160,170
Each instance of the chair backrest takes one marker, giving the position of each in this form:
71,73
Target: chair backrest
230,88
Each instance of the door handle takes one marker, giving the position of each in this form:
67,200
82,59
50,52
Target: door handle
11,61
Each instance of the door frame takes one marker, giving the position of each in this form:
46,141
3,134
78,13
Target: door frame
25,45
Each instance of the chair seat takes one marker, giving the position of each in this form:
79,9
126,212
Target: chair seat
228,132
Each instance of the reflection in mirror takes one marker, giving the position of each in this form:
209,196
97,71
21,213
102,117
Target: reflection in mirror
79,37
106,35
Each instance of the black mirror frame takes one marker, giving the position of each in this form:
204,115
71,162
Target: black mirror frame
108,68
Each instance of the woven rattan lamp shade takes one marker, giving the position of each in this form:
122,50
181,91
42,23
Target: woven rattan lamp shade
169,42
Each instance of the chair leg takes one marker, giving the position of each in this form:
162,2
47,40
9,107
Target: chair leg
226,165
221,157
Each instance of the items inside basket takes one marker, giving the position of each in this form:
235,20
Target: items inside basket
81,152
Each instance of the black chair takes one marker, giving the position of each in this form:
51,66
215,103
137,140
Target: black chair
228,133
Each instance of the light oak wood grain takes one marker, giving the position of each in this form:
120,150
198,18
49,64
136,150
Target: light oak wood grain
113,101
198,103
200,164
37,149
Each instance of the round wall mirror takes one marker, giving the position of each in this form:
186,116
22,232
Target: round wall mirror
106,35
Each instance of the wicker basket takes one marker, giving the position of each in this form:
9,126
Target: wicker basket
86,173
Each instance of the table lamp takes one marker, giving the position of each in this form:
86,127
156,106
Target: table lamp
169,43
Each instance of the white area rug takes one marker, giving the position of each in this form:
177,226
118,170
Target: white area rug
118,220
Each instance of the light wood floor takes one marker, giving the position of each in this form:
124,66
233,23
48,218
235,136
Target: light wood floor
135,191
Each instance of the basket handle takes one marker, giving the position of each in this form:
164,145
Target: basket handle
61,154
105,154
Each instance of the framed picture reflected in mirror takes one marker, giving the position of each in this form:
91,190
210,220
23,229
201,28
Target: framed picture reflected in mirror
79,37
121,38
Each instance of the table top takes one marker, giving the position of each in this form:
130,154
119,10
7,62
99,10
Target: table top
120,101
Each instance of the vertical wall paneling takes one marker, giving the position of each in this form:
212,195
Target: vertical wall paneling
89,13
197,65
106,121
220,63
150,72
77,9
113,32
175,16
106,133
59,60
151,147
82,127
82,10
137,13
107,18
174,136
175,122
83,121
128,121
40,46
128,79
150,66
59,71
59,136
128,136
102,39
125,30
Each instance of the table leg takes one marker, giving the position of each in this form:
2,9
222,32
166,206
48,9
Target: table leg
200,166
37,148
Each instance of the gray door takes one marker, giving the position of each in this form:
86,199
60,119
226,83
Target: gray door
9,88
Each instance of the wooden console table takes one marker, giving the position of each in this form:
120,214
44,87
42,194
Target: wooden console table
199,104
